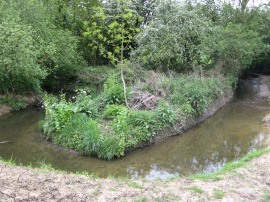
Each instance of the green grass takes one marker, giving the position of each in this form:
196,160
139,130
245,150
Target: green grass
266,197
231,166
141,199
10,162
195,189
218,194
135,185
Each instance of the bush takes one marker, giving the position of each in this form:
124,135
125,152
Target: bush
32,47
58,115
19,70
85,104
113,91
112,111
232,48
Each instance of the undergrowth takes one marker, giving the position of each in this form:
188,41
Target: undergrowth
14,103
103,126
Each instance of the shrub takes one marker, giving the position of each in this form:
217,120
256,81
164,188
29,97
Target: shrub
32,48
165,114
112,111
113,91
58,115
19,70
232,48
84,103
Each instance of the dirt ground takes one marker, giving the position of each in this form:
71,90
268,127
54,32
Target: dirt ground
249,183
4,109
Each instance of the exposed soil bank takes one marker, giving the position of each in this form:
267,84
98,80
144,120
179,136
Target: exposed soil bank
30,100
5,109
249,183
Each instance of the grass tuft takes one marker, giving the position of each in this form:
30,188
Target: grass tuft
195,189
266,197
218,194
231,166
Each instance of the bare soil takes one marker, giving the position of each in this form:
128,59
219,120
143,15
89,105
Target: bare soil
248,183
4,109
30,100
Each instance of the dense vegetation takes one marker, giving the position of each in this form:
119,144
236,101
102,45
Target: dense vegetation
197,51
104,127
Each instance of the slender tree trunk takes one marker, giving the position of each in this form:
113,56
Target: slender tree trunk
243,4
122,71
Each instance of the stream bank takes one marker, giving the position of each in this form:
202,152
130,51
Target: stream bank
180,127
248,183
229,134
11,102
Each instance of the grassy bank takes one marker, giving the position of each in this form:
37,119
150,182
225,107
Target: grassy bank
44,184
105,127
229,167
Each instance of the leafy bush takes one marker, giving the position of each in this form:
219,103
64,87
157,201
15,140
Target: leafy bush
165,114
86,104
19,70
35,48
232,48
113,91
58,115
112,111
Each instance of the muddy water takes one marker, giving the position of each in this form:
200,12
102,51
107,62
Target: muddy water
232,132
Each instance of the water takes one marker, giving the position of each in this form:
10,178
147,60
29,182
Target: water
231,133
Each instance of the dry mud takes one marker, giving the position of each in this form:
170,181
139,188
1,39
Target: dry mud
249,183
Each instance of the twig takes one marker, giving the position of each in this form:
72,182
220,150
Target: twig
5,142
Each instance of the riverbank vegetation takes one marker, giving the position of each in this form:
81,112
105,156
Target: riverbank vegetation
139,66
103,126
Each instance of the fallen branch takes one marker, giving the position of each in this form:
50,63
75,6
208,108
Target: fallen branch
5,142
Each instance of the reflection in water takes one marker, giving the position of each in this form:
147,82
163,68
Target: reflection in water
232,132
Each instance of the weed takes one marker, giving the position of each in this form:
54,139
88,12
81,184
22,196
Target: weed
113,91
195,189
11,161
95,193
135,185
218,194
45,166
266,197
141,199
167,197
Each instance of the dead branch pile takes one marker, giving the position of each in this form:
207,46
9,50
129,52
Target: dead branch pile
143,101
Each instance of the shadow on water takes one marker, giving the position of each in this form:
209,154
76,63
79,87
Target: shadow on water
232,132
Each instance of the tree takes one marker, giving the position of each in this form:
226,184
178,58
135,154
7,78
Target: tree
171,39
52,50
110,32
19,70
232,48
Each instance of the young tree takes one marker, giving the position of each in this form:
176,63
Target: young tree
111,31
